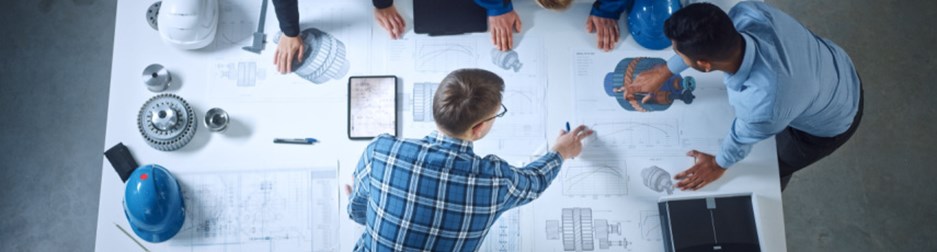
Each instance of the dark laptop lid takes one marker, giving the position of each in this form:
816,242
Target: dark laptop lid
448,17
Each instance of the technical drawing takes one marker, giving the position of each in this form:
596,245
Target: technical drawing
657,179
675,88
505,234
323,59
241,73
506,60
444,56
280,210
423,94
638,134
650,225
579,231
594,181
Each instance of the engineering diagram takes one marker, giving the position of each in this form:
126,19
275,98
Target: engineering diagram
657,179
580,232
241,73
601,180
324,58
505,234
506,60
638,134
650,225
423,94
675,88
444,56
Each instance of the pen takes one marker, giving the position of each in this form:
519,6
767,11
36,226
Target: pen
131,237
295,140
567,127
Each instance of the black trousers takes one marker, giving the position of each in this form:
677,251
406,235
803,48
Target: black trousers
798,149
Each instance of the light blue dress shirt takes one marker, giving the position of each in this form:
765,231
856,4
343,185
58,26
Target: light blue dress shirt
788,77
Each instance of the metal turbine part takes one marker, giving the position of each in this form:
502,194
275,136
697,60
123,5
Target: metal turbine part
506,60
156,78
216,120
323,59
166,122
657,179
151,13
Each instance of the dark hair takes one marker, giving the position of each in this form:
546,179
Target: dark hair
465,97
702,31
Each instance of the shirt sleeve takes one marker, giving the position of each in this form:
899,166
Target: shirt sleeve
288,16
380,4
358,204
530,181
496,7
676,64
742,136
610,8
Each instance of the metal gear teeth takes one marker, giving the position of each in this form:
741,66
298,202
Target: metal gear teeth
179,135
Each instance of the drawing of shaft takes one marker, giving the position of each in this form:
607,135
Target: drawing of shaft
579,231
675,88
323,59
506,60
657,179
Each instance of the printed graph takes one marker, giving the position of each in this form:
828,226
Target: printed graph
602,180
444,56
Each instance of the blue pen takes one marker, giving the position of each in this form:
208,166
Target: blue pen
567,126
295,140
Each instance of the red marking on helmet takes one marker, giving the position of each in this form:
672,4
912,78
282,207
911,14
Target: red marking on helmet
143,176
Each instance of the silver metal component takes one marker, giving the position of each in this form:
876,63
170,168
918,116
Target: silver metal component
506,60
657,179
324,58
156,78
259,35
152,13
216,119
166,122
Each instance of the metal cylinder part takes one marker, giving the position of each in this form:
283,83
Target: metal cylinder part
216,120
156,78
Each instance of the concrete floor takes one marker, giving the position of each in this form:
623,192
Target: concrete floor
871,195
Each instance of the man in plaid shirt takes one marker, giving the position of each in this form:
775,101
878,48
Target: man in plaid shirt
435,194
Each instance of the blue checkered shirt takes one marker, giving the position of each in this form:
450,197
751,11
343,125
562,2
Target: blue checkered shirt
435,194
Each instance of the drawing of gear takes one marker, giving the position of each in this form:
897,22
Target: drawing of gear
675,88
657,179
506,60
166,122
323,59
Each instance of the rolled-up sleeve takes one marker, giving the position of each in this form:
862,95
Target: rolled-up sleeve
738,143
358,202
676,64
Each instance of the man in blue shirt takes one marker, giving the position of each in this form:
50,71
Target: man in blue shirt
782,80
435,194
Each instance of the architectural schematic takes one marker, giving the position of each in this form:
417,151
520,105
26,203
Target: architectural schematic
279,210
675,88
657,179
650,225
505,234
423,94
580,232
324,57
444,55
594,181
506,60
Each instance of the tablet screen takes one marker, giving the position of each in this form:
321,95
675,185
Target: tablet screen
372,106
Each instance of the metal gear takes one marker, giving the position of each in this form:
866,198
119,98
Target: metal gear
323,59
166,122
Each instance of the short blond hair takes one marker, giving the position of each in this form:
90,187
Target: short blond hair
554,4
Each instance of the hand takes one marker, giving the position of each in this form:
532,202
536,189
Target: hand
569,144
502,28
347,189
702,173
391,21
288,49
608,32
648,82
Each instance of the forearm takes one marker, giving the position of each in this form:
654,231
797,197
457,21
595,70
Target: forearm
288,16
533,179
676,64
380,4
609,8
357,208
738,143
496,7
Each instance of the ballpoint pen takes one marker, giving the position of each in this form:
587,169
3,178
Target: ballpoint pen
295,140
567,127
131,237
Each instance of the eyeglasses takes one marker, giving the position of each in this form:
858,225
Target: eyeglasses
504,110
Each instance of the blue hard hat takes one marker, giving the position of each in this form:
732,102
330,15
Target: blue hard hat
153,203
646,22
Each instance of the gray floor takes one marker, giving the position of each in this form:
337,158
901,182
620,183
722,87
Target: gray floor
871,195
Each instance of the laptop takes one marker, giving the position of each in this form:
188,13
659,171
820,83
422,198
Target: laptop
448,17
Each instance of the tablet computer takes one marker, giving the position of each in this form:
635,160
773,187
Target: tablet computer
372,106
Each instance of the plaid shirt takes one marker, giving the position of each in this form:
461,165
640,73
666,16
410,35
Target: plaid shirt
435,194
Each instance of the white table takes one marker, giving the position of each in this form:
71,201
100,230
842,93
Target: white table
247,144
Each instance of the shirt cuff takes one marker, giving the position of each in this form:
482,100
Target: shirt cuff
676,64
381,4
723,162
498,11
605,14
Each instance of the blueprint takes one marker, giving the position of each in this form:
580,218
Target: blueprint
424,61
264,210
